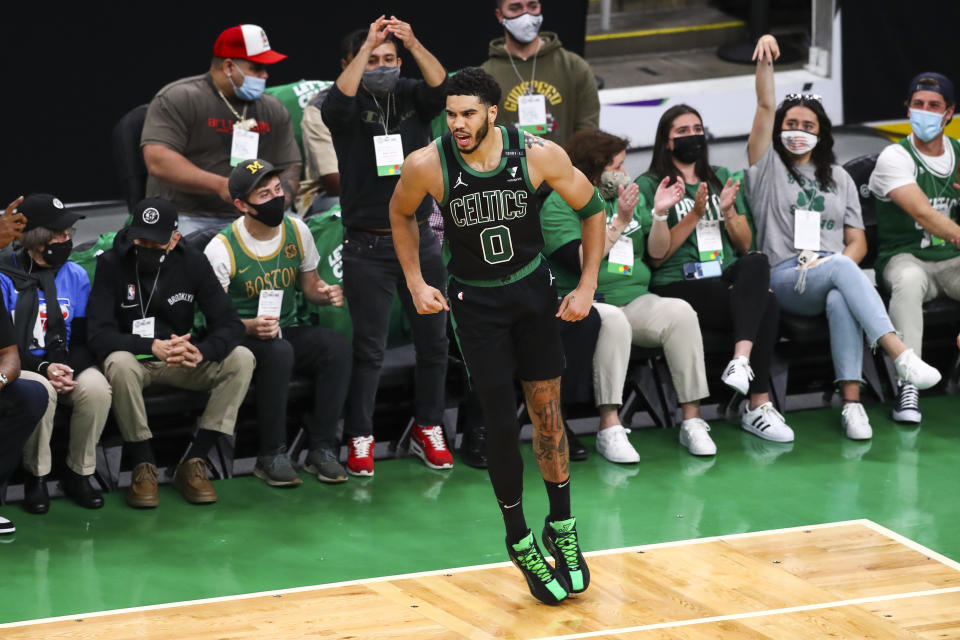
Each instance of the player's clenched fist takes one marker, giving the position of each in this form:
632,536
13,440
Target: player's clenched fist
428,299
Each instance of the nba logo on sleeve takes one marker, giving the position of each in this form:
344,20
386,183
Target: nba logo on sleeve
131,292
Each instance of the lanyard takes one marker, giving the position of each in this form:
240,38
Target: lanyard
240,118
266,279
143,310
384,119
533,73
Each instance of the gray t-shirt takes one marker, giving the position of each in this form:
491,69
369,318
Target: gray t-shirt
190,117
774,195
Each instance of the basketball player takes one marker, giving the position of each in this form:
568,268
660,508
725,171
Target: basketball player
503,301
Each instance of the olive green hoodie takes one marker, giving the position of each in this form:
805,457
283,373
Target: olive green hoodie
563,77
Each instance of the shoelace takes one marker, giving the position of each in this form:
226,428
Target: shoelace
361,446
145,472
278,462
909,397
568,547
533,562
733,368
435,435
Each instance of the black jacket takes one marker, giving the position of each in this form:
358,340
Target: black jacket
186,280
353,122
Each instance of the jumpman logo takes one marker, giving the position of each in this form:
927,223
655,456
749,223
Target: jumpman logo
551,276
459,180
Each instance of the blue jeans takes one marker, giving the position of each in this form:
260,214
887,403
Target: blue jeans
851,302
22,403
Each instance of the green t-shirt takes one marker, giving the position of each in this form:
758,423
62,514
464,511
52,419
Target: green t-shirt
689,251
619,286
251,273
897,232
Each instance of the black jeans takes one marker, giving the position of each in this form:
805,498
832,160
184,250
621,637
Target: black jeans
22,403
315,352
738,302
371,275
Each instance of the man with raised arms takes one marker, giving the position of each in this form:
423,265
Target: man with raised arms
503,301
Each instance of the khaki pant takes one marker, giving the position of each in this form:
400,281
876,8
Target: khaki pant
912,282
227,382
90,400
671,323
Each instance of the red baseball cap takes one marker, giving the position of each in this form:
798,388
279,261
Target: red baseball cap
248,42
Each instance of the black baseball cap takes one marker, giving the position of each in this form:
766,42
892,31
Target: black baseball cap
247,175
45,210
945,89
154,219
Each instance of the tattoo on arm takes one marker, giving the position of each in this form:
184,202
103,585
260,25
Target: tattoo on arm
532,140
549,439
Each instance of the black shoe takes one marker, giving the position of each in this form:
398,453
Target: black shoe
560,540
79,489
473,449
545,584
578,451
35,496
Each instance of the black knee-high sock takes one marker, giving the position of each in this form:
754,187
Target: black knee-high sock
202,443
504,463
559,495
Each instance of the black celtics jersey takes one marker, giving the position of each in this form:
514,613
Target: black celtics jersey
491,220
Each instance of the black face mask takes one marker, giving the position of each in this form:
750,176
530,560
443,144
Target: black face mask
689,149
149,260
56,253
270,212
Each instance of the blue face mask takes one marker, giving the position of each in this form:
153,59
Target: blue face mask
926,125
252,87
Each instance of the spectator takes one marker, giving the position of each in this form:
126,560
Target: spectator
199,127
140,312
708,230
376,118
808,222
321,188
48,295
917,233
629,312
260,260
22,402
547,90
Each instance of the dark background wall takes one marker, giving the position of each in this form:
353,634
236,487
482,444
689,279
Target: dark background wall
72,73
886,43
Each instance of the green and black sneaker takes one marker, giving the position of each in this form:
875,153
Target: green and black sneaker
560,539
544,583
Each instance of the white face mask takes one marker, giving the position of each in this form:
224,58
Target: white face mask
798,142
525,28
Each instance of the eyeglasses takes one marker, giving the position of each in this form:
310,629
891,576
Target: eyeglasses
804,97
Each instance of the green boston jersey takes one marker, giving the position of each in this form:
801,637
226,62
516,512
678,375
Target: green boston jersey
897,232
617,284
250,274
692,250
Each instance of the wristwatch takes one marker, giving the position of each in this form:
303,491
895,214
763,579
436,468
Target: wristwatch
3,381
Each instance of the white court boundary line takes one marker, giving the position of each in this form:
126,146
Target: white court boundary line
494,565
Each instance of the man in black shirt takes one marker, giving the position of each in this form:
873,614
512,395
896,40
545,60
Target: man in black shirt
22,402
375,118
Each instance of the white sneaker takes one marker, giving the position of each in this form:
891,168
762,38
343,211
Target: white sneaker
738,375
908,405
855,422
912,370
612,444
767,423
6,527
695,436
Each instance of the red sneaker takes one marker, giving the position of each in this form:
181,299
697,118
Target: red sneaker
360,456
429,444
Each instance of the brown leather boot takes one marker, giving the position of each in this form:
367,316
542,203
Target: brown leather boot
190,479
143,492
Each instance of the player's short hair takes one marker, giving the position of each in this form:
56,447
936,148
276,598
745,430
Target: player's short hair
591,150
351,43
474,81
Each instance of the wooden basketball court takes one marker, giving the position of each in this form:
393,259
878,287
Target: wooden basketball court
851,579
